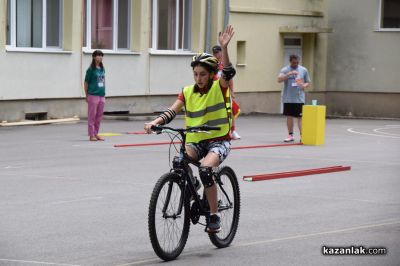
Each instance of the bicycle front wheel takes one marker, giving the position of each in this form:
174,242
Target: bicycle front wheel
228,207
169,217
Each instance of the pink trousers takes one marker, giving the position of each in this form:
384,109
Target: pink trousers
95,113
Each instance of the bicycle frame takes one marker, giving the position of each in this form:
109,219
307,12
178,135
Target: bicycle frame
175,201
181,166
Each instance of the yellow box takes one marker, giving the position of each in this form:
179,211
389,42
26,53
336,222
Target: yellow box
313,125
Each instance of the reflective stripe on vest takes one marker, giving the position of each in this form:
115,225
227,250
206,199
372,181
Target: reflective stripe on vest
207,109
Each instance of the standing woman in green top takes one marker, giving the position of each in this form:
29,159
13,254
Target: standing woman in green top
95,94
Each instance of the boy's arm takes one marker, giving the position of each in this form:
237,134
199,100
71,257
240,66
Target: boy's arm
165,117
231,88
228,72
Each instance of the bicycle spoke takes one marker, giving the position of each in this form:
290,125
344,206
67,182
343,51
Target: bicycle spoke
224,198
169,228
228,207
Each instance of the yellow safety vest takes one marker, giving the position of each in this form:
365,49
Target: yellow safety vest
208,109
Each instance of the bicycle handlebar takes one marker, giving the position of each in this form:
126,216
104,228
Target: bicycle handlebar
159,128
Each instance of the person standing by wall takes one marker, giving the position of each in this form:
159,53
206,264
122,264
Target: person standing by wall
217,53
295,78
95,94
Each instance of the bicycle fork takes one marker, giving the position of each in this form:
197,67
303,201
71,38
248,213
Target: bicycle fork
182,185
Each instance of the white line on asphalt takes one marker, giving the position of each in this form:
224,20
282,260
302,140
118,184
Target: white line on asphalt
378,130
94,147
80,179
375,135
344,198
279,181
38,262
13,167
127,183
40,176
344,230
75,200
240,245
144,261
337,161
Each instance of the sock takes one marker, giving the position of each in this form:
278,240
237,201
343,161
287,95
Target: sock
291,133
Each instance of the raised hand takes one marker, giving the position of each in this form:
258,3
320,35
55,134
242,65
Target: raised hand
225,37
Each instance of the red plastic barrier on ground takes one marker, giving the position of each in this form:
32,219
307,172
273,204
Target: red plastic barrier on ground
137,132
297,173
233,148
145,144
265,146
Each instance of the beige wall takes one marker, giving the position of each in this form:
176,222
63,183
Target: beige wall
29,76
258,23
354,58
3,23
60,75
46,75
198,25
39,75
361,58
279,5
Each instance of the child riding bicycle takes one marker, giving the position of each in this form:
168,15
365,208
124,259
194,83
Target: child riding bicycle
206,103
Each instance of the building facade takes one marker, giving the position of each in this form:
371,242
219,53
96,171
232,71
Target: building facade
363,54
46,46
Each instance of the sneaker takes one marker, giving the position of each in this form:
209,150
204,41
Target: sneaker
214,224
235,135
290,138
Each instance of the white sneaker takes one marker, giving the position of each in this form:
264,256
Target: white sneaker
290,138
235,135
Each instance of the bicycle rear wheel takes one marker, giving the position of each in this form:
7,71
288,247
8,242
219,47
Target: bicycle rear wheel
228,207
168,231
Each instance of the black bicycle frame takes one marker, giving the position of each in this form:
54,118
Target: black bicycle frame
184,171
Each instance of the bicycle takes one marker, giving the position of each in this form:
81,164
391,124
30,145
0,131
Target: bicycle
175,201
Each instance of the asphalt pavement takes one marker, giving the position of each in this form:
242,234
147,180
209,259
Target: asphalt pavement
67,201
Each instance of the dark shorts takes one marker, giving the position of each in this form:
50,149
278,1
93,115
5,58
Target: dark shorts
293,109
221,148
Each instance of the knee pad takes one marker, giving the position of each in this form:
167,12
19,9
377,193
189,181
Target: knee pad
206,176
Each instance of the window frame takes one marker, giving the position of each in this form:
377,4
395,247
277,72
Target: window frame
293,37
154,40
380,19
12,46
88,48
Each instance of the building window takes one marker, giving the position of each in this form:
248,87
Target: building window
241,53
107,24
34,23
390,14
172,20
287,41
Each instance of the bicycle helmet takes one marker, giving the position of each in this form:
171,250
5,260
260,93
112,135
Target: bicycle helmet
206,60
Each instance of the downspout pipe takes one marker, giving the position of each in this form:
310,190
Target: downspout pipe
208,27
226,17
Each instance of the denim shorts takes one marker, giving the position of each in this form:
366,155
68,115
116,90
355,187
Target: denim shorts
221,148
